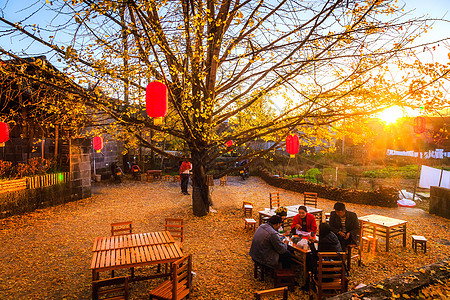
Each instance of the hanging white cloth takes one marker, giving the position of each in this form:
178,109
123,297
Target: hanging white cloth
430,177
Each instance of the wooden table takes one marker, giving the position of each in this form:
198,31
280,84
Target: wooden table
292,211
383,226
155,173
133,250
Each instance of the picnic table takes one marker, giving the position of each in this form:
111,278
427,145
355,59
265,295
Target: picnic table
382,226
133,250
292,210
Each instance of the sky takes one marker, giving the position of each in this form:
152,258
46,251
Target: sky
12,10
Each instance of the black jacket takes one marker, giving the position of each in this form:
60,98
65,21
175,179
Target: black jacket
351,224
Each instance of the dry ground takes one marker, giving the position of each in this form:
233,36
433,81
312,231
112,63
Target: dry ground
46,254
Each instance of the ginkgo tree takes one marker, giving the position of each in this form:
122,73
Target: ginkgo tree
224,63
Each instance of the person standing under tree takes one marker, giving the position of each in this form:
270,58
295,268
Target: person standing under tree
185,168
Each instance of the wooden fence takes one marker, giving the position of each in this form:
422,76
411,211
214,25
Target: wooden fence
33,182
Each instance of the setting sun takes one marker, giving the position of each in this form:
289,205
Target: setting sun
391,114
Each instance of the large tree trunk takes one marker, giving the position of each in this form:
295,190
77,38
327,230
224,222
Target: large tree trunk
201,198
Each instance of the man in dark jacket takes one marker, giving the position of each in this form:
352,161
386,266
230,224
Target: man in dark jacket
267,247
345,225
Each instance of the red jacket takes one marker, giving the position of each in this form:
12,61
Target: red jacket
310,222
185,165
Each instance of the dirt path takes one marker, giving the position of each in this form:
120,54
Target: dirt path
46,254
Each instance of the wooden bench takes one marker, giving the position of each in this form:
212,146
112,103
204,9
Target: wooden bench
418,239
154,173
13,185
250,224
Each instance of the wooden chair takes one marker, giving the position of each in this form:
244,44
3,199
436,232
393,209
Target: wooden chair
112,288
331,279
223,180
176,229
282,291
310,199
121,228
250,224
368,236
167,177
248,208
275,200
179,286
176,178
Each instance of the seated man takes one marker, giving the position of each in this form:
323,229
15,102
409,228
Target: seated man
267,247
345,225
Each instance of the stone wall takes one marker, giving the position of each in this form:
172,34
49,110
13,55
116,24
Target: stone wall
80,168
20,202
440,201
386,197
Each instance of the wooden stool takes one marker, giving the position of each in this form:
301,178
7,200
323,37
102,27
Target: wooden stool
250,224
418,239
167,177
370,241
350,256
176,178
284,277
262,269
223,180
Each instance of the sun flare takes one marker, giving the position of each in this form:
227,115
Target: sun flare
391,114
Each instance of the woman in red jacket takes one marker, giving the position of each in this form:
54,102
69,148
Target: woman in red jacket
304,221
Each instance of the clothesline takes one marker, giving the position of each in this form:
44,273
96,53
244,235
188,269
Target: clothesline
438,153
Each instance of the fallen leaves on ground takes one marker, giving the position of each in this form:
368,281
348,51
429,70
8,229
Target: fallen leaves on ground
46,254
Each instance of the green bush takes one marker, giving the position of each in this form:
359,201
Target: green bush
407,171
312,175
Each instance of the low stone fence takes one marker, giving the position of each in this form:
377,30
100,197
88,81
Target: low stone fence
397,287
27,200
386,197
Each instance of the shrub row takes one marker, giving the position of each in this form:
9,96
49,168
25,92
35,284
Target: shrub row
383,196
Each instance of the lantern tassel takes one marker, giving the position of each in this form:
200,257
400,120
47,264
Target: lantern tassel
292,155
2,144
157,121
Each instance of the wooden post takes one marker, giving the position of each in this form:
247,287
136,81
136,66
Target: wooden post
56,140
415,182
440,178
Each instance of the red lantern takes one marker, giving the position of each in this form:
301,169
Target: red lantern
4,133
98,143
229,143
419,125
156,100
292,145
